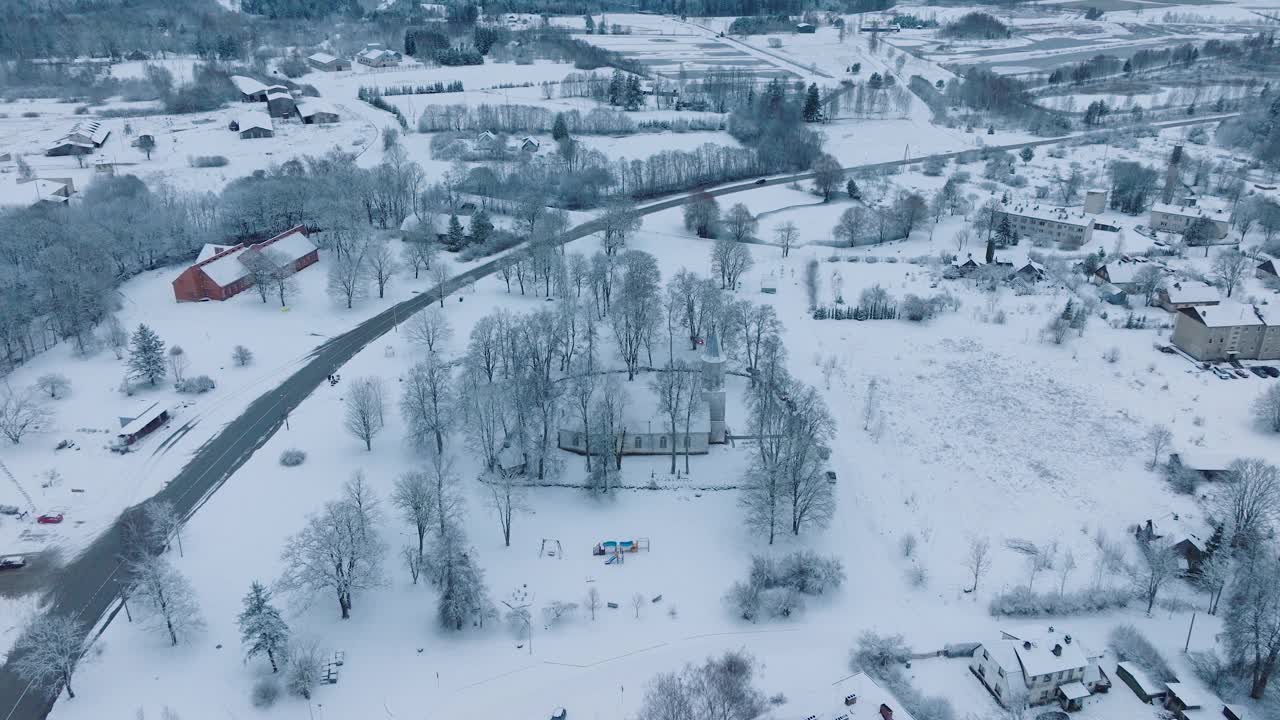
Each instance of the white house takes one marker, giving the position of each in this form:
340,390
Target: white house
1035,669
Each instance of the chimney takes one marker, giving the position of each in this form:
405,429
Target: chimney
886,712
1067,639
851,699
1026,644
1057,650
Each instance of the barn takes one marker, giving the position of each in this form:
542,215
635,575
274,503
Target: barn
328,63
280,104
140,423
317,112
82,139
253,124
250,90
221,271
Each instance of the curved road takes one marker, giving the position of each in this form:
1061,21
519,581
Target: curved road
89,586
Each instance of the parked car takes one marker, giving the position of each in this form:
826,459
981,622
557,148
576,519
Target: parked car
1259,371
12,562
831,476
1271,371
1242,372
50,519
559,714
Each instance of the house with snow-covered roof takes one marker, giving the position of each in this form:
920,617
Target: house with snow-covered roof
1187,293
1227,331
1267,270
378,57
328,63
1187,702
1122,273
253,124
35,191
1039,668
250,90
315,111
223,271
280,103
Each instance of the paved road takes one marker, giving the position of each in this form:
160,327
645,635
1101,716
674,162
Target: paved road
88,587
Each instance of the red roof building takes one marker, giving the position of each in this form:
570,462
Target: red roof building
221,271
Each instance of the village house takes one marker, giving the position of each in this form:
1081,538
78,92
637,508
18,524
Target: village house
328,63
1185,540
317,112
375,55
1211,465
250,90
1267,271
1031,271
806,28
1052,224
529,145
222,271
1122,273
253,124
1187,293
1038,669
963,268
1227,331
1147,690
36,191
1176,218
280,104
1112,295
486,140
858,697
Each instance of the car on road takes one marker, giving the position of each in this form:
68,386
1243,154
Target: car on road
12,562
1259,371
50,519
762,181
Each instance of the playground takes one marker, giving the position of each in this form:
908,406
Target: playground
617,550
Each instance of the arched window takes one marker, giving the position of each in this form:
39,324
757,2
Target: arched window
662,442
639,442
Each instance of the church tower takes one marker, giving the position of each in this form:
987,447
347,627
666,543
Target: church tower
713,387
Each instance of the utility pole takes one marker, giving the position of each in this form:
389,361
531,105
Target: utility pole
1189,628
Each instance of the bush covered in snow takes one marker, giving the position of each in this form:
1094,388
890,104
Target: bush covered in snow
195,385
208,161
777,586
292,457
265,693
882,657
1022,601
1131,645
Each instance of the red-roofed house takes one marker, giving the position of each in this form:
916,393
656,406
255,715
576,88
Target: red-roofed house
223,273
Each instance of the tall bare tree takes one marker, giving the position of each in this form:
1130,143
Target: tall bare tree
363,413
428,403
506,497
978,560
166,597
48,651
1249,501
673,386
383,264
429,328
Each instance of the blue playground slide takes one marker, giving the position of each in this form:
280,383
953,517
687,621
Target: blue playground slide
613,559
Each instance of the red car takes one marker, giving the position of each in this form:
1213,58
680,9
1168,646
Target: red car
50,519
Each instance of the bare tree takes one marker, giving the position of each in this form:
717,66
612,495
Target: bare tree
242,356
364,407
1148,281
48,651
979,559
506,497
383,264
673,386
304,666
1266,408
429,328
413,497
730,259
808,427
1213,575
1228,267
428,403
162,524
619,221
421,255
166,596
593,601
740,223
1065,566
413,560
1249,501
440,276
786,235
1039,560
337,551
763,494
637,602
1160,566
20,412
177,362
115,335
1251,624
349,275
56,384
1158,438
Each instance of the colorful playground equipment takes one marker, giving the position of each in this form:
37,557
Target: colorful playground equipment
616,549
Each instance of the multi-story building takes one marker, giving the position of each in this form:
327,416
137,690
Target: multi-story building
1228,331
1055,224
1179,217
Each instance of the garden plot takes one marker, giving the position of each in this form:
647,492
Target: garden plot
689,56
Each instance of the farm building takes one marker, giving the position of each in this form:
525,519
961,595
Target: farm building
1267,271
141,423
222,271
374,55
280,104
1187,293
1169,217
82,139
1211,465
328,63
63,147
250,90
1055,224
1143,686
36,191
253,124
1188,703
317,112
1228,331
1050,667
962,268
530,145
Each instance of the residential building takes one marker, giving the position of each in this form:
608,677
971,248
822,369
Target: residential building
250,90
1187,293
1147,690
1122,273
1036,669
317,112
1031,271
328,63
529,144
222,271
1270,347
374,55
1176,218
1095,202
253,124
1211,465
1112,294
1043,222
486,139
281,104
858,697
35,191
1227,331
1267,270
83,138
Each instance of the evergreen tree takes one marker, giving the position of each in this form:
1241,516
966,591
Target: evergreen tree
632,93
991,249
481,227
262,629
617,84
876,82
560,129
812,104
1005,235
1026,155
146,355
851,187
456,238
591,24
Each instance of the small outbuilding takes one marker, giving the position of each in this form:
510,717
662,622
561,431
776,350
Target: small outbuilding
1183,701
1267,271
281,104
253,124
140,423
328,63
530,145
1147,690
250,90
317,112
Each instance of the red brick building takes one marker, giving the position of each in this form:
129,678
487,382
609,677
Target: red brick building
221,272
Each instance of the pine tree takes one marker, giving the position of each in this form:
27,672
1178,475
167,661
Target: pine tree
1005,235
560,129
146,355
261,628
812,104
991,250
456,237
481,227
633,93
